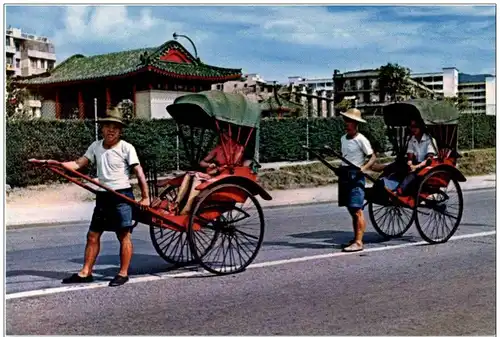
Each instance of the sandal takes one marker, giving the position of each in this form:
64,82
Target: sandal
75,278
348,243
118,281
355,247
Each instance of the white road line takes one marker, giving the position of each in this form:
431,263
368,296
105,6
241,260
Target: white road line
49,291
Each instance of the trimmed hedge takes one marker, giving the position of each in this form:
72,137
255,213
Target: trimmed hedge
280,140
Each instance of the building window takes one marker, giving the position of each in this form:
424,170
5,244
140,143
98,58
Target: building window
33,63
10,60
7,42
17,46
18,63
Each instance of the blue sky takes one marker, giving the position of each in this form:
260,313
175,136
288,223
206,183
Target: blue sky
279,41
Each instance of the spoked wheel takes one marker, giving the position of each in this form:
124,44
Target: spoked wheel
439,207
225,236
390,221
170,244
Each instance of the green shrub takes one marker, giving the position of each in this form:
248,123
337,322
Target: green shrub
280,140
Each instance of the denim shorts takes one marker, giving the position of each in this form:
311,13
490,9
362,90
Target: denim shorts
111,213
351,189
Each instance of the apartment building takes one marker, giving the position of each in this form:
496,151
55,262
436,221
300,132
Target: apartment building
325,84
363,85
480,92
27,54
444,83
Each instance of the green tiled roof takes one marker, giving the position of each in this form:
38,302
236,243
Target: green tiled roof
79,67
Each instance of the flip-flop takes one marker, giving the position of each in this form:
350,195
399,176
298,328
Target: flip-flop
347,244
353,248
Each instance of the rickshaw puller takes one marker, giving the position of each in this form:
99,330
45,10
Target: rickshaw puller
355,148
114,158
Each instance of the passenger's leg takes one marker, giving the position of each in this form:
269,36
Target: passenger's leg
192,195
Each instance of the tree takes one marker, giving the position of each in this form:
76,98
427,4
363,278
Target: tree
127,108
16,97
344,105
393,80
460,102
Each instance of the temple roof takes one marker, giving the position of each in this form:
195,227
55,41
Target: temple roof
170,59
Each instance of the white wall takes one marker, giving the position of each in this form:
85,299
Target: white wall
490,95
160,99
153,103
450,82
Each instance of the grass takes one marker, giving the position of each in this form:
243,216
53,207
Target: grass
473,163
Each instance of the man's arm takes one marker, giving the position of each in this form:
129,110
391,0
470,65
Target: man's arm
139,172
370,162
77,164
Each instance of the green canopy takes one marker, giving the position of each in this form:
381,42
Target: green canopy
199,109
431,112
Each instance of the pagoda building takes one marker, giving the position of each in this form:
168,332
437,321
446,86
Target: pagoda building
151,78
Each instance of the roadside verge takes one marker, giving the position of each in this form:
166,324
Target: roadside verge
78,212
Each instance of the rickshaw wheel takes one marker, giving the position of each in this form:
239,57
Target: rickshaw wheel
438,209
235,229
390,221
170,244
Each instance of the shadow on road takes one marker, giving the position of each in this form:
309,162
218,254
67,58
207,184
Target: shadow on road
141,264
329,239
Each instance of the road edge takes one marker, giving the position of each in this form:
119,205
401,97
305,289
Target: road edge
47,224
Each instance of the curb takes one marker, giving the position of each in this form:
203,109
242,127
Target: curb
264,207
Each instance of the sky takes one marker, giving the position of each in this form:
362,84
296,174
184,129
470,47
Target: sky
279,41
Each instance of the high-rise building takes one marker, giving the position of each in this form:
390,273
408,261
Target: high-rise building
27,54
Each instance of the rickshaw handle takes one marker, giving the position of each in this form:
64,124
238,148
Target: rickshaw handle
130,201
336,154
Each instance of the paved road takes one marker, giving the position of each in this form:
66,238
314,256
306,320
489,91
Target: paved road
444,289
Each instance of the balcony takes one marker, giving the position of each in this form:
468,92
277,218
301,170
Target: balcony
41,55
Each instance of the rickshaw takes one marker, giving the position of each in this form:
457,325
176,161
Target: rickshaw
434,200
224,229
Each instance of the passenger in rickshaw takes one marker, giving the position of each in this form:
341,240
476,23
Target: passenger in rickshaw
421,148
355,148
226,152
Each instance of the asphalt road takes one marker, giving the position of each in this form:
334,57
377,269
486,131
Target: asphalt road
417,290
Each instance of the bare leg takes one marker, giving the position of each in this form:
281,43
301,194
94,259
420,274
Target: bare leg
126,250
360,227
184,188
192,195
91,251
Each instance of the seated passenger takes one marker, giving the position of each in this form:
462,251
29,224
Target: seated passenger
227,152
421,148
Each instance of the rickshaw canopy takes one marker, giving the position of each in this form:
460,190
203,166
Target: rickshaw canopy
200,109
430,112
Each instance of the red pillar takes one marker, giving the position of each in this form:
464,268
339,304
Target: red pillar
81,105
134,89
58,105
108,98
